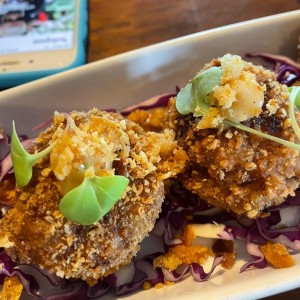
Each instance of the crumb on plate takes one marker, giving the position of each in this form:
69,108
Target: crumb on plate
12,288
277,255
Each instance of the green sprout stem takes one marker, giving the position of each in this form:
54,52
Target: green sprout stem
263,135
22,160
193,99
294,101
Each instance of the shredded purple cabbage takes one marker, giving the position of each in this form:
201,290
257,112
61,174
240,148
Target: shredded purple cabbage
154,102
286,70
179,204
194,269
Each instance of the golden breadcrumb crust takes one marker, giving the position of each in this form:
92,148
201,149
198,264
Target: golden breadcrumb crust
12,288
149,119
237,171
42,236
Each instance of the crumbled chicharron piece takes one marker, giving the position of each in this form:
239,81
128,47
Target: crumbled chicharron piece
182,255
12,288
277,255
185,254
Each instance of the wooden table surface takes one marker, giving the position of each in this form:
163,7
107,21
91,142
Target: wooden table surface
122,25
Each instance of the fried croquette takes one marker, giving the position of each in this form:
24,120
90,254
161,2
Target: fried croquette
34,231
230,168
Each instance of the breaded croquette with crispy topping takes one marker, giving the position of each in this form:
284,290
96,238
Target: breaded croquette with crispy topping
229,167
34,231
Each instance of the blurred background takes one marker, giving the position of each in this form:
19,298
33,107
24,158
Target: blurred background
118,26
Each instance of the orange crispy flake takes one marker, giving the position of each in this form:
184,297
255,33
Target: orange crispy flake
182,254
159,285
277,255
147,285
7,190
12,288
188,235
228,260
169,283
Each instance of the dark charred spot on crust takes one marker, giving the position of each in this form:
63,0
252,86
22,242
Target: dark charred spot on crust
186,130
184,123
254,123
106,218
77,229
271,125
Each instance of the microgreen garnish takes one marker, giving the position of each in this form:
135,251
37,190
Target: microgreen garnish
263,135
195,93
193,97
92,199
294,101
295,95
22,160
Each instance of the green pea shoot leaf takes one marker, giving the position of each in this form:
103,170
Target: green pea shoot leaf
22,160
194,94
92,199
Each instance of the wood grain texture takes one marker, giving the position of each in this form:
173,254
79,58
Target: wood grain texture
118,26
